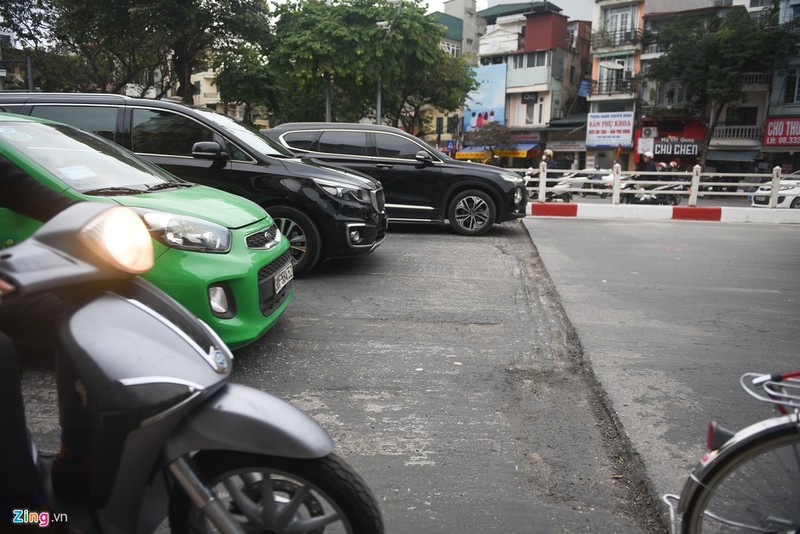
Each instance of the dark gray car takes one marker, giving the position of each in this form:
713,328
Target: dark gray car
420,183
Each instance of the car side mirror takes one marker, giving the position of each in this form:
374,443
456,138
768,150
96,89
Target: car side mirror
423,157
208,150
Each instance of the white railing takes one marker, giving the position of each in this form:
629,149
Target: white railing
695,183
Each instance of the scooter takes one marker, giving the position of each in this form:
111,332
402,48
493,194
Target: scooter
557,189
173,438
631,193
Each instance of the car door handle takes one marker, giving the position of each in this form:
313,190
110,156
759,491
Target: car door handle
384,165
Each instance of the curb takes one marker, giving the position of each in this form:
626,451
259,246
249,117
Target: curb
663,213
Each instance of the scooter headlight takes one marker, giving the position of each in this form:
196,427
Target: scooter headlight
120,237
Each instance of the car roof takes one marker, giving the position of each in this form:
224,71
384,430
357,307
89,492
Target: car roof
86,98
335,126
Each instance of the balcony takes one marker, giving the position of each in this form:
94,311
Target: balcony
616,39
613,86
738,132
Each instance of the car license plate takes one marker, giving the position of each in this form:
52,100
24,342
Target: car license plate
761,199
283,277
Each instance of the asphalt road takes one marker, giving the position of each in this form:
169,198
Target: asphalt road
669,315
519,384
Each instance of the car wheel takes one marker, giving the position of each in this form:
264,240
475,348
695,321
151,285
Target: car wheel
302,234
796,203
471,212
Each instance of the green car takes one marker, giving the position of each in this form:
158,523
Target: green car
218,254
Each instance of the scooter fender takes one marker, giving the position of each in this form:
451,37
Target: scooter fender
241,418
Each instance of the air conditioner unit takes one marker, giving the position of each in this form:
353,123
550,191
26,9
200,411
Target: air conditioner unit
649,131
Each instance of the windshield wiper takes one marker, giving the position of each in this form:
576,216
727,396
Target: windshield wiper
168,185
110,191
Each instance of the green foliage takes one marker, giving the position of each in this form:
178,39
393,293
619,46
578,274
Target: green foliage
340,45
492,135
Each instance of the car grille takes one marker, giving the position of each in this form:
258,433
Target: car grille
379,200
269,301
265,238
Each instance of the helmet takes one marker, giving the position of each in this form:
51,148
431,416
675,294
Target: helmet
648,154
548,153
673,164
661,166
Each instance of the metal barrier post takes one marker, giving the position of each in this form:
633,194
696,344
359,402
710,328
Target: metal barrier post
616,184
776,187
694,189
542,181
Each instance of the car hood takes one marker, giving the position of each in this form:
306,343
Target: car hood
312,168
213,205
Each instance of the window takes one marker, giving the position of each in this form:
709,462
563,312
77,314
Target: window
394,146
537,59
792,91
741,116
518,61
100,120
164,132
671,93
301,140
341,142
530,112
760,3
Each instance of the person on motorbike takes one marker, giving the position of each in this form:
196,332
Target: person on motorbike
27,329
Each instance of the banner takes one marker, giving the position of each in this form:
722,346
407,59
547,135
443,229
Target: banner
488,102
783,131
609,130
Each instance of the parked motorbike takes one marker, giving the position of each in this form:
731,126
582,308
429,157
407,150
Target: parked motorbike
633,193
594,181
557,189
173,437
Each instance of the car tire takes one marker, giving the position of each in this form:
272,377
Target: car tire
795,203
303,236
471,212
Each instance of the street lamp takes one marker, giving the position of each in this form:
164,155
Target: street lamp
385,25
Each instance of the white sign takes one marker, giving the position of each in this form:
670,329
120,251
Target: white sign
610,130
567,146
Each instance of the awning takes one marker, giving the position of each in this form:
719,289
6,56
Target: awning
521,150
732,155
612,65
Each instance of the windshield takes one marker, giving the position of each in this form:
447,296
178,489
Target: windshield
250,137
81,160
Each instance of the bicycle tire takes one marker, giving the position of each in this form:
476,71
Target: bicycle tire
755,489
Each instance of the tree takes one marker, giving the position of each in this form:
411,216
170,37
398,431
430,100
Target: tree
493,135
243,76
709,56
338,52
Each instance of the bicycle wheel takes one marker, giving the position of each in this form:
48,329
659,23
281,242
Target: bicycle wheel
755,489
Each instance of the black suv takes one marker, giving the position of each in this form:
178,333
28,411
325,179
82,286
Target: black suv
421,184
325,211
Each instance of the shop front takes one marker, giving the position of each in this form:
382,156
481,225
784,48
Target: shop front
781,144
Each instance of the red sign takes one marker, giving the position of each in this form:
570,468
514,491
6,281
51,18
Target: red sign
784,131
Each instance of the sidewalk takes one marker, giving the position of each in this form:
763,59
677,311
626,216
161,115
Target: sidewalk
656,213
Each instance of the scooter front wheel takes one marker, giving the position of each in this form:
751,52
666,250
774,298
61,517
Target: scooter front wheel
269,494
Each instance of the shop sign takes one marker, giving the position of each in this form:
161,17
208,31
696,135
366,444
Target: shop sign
675,146
567,146
530,98
610,130
783,131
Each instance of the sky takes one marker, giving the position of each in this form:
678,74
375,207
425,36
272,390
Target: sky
574,9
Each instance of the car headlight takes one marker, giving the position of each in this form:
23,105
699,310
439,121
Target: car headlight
345,192
513,178
187,233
